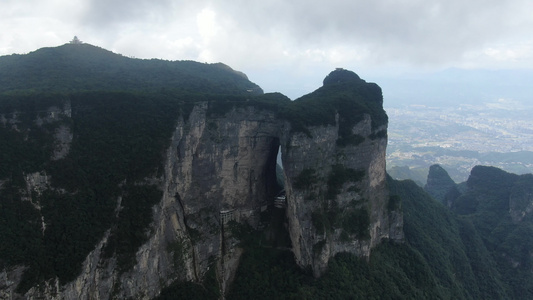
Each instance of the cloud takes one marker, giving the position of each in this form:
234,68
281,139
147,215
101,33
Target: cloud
106,13
412,31
294,37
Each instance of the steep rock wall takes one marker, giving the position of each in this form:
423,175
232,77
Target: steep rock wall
337,195
221,167
214,164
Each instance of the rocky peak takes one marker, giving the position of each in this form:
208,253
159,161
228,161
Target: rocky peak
440,185
341,76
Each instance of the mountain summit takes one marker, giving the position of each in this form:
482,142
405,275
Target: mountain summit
341,76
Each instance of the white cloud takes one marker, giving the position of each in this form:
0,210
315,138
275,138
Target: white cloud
295,37
207,25
510,53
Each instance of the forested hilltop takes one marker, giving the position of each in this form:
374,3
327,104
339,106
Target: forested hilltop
84,67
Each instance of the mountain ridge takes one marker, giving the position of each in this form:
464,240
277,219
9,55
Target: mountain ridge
72,67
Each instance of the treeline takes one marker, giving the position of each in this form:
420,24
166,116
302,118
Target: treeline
347,95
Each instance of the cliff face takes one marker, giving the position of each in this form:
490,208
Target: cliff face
221,167
217,169
337,196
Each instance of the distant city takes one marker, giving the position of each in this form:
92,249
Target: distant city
497,133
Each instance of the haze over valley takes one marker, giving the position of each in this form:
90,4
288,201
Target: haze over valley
466,118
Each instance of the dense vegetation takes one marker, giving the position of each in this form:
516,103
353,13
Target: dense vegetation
119,139
83,67
443,257
497,204
348,95
478,250
75,67
440,186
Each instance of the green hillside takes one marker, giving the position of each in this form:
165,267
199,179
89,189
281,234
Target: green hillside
498,204
82,67
340,89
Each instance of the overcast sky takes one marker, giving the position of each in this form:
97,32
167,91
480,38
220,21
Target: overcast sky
286,46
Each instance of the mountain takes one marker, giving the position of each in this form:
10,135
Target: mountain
402,173
124,178
499,205
160,181
75,67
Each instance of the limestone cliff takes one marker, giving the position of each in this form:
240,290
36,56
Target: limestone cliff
220,166
338,200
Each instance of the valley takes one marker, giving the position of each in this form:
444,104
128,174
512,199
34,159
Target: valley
497,133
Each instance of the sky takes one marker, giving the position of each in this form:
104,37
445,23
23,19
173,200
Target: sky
286,46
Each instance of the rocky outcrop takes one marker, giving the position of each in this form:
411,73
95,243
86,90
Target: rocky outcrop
441,186
63,137
9,279
215,166
221,167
